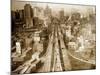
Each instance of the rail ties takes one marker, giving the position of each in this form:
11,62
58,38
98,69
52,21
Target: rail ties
66,59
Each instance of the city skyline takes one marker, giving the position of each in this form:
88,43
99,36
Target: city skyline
18,5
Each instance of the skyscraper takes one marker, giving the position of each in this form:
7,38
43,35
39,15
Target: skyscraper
28,13
47,11
62,16
21,15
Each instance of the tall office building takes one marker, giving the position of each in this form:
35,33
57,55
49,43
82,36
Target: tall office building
36,11
62,16
21,15
28,14
47,11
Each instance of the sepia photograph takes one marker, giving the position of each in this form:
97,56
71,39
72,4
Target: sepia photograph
52,37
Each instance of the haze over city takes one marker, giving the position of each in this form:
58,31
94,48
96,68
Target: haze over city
17,5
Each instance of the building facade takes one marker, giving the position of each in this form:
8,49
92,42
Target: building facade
28,13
